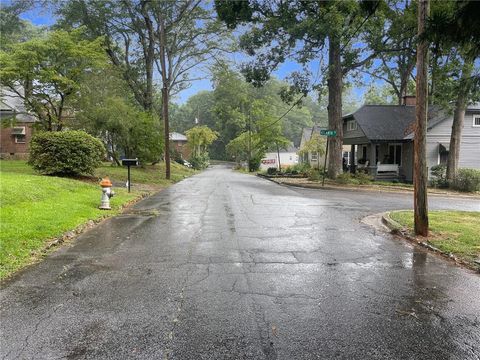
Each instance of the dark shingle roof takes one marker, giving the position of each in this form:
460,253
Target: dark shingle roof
395,122
12,105
385,122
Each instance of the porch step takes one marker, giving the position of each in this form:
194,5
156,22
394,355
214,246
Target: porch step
387,176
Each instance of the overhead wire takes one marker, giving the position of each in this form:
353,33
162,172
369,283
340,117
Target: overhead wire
324,70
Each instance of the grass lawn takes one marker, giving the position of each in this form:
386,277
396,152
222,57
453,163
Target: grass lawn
147,174
35,209
456,232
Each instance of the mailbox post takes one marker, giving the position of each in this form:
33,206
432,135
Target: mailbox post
128,163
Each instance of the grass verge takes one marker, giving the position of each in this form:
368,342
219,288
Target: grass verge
147,174
453,232
35,209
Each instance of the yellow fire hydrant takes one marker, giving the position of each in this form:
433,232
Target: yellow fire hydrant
107,193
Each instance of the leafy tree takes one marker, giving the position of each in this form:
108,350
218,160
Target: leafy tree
196,111
315,144
379,95
106,110
127,44
228,108
13,28
300,30
231,102
395,68
454,71
172,36
46,72
199,138
262,133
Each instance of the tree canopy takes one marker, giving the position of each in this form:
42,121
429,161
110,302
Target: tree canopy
46,72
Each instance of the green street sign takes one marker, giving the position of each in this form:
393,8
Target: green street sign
329,133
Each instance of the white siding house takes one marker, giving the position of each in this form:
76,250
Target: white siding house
288,157
383,135
438,140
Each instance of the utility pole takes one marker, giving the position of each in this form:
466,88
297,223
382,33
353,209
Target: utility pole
249,142
278,154
420,171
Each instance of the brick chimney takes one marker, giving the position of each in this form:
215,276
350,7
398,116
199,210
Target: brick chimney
409,100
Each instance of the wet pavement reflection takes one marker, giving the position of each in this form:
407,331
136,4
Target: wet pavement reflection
229,266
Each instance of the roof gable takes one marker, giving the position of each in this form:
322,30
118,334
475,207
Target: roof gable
384,122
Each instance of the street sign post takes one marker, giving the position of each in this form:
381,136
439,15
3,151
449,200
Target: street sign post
128,163
328,133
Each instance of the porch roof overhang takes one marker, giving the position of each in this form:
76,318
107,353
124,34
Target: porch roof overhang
366,141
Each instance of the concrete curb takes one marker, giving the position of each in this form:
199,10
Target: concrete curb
398,229
360,188
304,186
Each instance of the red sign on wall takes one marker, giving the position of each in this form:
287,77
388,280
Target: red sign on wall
268,161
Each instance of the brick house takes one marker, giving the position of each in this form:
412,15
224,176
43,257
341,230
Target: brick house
178,143
16,127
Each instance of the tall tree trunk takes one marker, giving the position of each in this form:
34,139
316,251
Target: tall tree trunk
165,93
420,173
335,87
167,131
458,118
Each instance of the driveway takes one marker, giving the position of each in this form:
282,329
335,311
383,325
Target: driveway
229,266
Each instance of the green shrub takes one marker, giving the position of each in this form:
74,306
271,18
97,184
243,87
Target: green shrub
65,153
255,163
357,178
271,170
344,178
300,168
439,176
314,174
200,161
362,178
467,180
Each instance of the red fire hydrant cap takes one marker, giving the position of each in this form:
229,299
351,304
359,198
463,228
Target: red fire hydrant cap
106,182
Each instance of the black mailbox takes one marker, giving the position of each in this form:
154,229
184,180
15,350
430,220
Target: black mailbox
130,162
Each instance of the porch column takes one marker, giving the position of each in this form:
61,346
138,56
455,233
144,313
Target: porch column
352,159
372,169
372,159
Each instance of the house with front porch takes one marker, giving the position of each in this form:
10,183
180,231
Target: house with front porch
381,139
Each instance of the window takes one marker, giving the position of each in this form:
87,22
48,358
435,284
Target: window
19,134
314,156
351,125
18,130
20,139
476,120
394,154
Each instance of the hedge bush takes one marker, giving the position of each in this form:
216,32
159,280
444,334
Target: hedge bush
314,174
200,161
439,176
65,153
357,178
467,180
271,170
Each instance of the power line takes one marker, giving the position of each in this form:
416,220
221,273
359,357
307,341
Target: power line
323,72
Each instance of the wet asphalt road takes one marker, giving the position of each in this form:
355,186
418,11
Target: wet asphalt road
230,266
